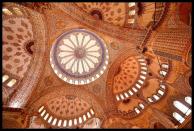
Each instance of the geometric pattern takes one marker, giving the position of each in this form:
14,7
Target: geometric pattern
79,57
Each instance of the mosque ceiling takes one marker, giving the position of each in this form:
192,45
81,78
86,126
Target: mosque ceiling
96,65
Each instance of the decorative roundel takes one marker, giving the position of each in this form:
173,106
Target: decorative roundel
79,56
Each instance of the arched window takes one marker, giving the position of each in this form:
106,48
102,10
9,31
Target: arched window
11,83
132,12
178,117
188,100
130,4
158,125
137,110
182,107
93,123
156,97
5,77
190,80
131,21
36,122
6,11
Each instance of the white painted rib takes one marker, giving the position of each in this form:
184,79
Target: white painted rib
40,109
141,105
130,92
91,111
59,122
142,77
156,97
50,119
80,120
42,114
143,72
75,121
150,100
117,97
88,114
126,95
134,89
122,97
46,116
54,121
137,85
160,92
142,63
64,123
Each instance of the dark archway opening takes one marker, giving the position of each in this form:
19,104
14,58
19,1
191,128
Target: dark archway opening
157,125
96,14
29,47
118,71
140,8
190,81
144,50
126,101
148,61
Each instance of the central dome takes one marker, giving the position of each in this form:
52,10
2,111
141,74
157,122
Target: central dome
79,56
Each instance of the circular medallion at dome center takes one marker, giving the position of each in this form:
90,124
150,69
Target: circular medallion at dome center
79,56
